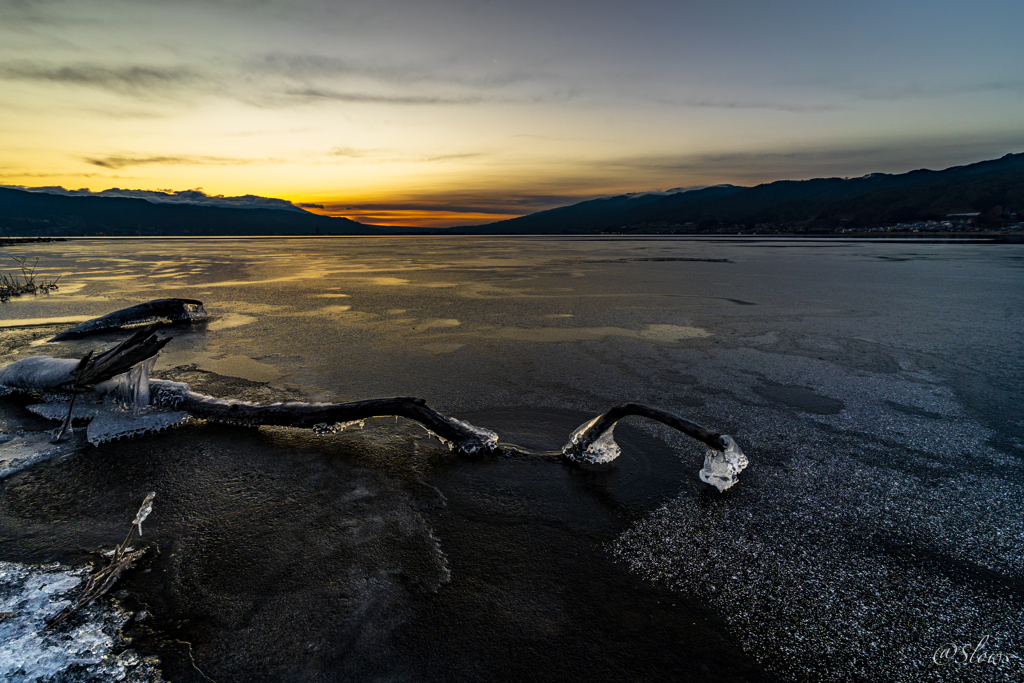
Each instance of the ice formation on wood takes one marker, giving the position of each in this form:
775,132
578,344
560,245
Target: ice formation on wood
121,400
601,450
722,468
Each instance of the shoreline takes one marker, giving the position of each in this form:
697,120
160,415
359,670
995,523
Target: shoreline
958,237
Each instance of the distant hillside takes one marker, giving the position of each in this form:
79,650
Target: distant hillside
993,189
52,215
986,195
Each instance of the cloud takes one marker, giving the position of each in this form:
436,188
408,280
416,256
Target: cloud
281,80
22,174
131,79
352,152
307,67
450,157
476,203
918,91
315,94
117,161
739,104
382,156
448,209
29,14
195,197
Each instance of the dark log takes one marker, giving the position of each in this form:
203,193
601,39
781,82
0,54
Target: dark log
172,395
158,311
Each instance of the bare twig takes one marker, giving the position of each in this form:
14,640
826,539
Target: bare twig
12,285
122,558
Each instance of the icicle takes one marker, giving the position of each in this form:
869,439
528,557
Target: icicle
133,386
323,428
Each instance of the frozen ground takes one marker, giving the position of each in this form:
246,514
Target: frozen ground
874,387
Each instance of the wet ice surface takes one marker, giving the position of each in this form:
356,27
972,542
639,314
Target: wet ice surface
875,541
87,648
879,520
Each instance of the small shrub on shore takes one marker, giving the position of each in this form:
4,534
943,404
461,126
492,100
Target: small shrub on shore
11,284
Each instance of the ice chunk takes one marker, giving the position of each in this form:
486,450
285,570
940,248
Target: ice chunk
116,423
39,373
58,411
109,421
133,386
722,468
18,451
602,450
482,440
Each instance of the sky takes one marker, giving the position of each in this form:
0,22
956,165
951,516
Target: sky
460,112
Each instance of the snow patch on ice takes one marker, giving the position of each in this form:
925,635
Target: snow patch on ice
89,648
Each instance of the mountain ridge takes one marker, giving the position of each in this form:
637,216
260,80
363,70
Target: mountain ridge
987,194
821,204
56,215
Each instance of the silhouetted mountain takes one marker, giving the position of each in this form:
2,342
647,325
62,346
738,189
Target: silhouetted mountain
994,189
52,215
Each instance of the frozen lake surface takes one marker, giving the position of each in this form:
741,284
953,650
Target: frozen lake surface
876,388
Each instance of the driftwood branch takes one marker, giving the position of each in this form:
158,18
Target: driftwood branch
142,345
461,435
599,426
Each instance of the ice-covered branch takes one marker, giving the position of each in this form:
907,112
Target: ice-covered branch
43,373
460,435
593,442
123,373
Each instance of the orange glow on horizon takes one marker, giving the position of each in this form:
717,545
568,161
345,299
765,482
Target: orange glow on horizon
414,218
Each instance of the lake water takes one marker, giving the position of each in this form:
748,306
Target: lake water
876,387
